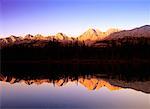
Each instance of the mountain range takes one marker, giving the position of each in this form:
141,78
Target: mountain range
89,36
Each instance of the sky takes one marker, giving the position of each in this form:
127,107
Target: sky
72,17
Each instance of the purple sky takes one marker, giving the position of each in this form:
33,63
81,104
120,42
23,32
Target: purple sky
20,17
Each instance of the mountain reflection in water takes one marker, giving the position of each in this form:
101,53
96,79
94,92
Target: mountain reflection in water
91,82
75,86
71,93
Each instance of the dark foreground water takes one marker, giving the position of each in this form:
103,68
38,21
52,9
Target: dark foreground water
115,85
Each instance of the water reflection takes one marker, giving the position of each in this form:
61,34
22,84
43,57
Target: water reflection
62,94
91,82
106,86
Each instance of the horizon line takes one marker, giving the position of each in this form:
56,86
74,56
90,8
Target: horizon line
68,34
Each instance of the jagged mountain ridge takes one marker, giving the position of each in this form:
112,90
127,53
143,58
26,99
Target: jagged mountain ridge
89,36
95,34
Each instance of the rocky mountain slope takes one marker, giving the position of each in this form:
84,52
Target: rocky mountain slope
95,34
143,31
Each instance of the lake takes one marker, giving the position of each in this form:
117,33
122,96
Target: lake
83,92
94,85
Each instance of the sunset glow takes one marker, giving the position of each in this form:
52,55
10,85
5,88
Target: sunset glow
20,17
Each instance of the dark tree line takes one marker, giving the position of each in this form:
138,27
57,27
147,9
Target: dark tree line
121,49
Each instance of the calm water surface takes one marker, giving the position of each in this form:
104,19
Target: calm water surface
71,95
115,86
